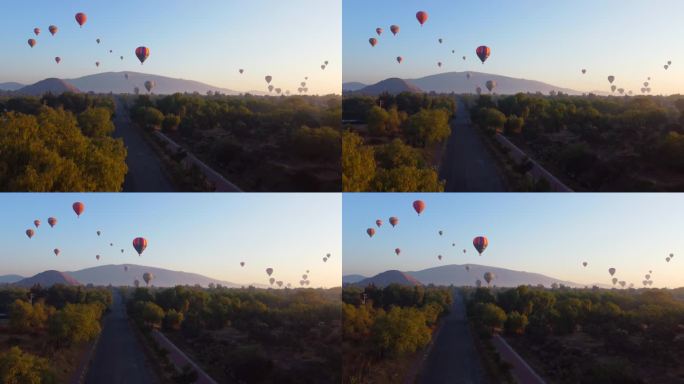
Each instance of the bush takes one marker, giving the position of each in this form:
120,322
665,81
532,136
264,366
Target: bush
18,367
171,123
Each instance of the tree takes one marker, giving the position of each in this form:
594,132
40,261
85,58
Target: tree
428,127
493,120
514,125
173,320
407,179
377,121
171,123
490,316
516,323
25,317
397,154
358,163
153,118
18,367
152,314
96,122
75,323
357,322
400,331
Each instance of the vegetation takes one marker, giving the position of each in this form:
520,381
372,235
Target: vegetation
394,142
587,336
47,331
384,328
249,335
258,143
59,144
595,143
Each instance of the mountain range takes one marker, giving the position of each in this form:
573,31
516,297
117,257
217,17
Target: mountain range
456,82
457,275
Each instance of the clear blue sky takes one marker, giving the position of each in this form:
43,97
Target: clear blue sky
204,40
543,40
207,234
550,234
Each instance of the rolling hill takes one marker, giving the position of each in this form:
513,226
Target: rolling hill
457,82
457,275
116,82
349,87
51,85
10,86
116,275
8,279
48,279
351,279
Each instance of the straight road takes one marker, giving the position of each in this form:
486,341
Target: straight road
521,371
467,165
144,167
453,357
119,359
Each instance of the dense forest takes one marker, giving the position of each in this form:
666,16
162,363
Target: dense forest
394,143
258,143
249,335
60,143
594,143
47,331
383,328
588,336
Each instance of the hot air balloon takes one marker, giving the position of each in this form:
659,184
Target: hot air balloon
121,57
142,53
268,79
394,29
58,59
328,255
56,251
419,206
326,62
439,257
31,43
304,276
126,268
241,71
278,90
97,40
370,232
480,243
584,71
81,18
615,280
110,51
122,251
126,76
323,66
373,41
97,63
270,88
378,31
490,84
611,271
668,259
147,277
242,263
622,283
149,84
30,233
36,223
325,259
464,58
648,277
483,52
613,88
439,64
621,91
280,283
99,233
97,257
478,283
467,268
464,251
52,221
111,244
440,40
136,282
611,78
584,264
397,251
36,31
478,90
489,276
394,221
78,208
271,280
53,29
269,271
669,62
422,17
378,222
671,255
139,243
469,75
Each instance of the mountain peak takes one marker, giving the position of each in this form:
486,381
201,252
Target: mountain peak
48,279
392,85
50,85
390,277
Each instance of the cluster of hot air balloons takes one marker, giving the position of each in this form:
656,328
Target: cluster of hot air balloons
648,281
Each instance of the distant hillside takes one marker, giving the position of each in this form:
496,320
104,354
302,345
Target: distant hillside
389,277
5,279
392,86
117,275
10,86
116,82
351,279
351,86
52,85
459,276
48,279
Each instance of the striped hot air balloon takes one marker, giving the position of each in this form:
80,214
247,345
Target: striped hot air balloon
142,53
483,53
139,243
480,243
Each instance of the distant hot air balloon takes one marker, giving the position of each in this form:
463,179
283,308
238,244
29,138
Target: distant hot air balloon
36,223
241,71
373,41
611,79
469,75
126,76
149,85
370,232
52,221
53,29
668,259
648,277
611,271
268,79
395,29
142,53
280,283
467,268
464,58
669,62
478,90
58,59
111,244
439,257
584,264
615,280
394,221
323,66
378,222
422,17
480,243
99,233
242,263
121,57
32,42
97,63
122,251
584,71
78,208
271,280
489,276
622,283
325,259
147,277
30,233
110,51
440,232
97,257
397,251
440,40
36,31
269,271
81,18
378,31
270,88
56,251
613,88
139,243
278,90
126,268
666,67
419,206
483,52
439,64
490,84
97,40
478,283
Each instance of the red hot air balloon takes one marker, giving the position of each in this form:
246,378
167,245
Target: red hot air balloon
378,31
370,232
483,53
142,53
480,243
30,233
36,223
378,222
373,41
78,208
422,17
419,206
36,31
52,221
394,221
53,29
397,251
395,29
140,243
32,42
81,18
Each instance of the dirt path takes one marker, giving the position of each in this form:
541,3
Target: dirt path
522,372
467,165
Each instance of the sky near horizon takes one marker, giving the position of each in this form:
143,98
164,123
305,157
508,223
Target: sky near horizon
548,41
206,41
209,234
551,234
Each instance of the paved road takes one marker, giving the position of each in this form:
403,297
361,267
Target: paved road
521,371
180,359
119,359
467,165
144,167
453,358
